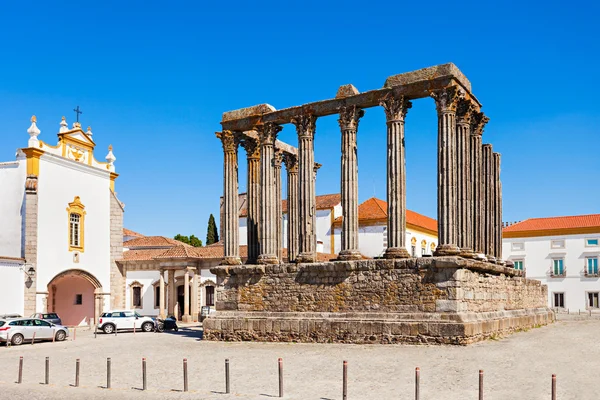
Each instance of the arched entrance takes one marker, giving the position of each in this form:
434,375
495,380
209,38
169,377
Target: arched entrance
72,294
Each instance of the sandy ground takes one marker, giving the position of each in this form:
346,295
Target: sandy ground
516,367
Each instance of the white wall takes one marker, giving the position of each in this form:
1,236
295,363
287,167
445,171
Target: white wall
324,229
11,288
146,278
243,231
537,257
12,182
59,182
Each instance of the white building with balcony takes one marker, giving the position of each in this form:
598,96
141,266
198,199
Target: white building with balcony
561,252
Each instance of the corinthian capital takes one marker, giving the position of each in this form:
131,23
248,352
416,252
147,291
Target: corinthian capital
277,158
268,133
251,146
446,99
464,111
305,124
478,121
229,139
291,162
395,107
349,117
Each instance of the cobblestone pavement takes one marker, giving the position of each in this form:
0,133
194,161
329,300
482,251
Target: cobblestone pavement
516,367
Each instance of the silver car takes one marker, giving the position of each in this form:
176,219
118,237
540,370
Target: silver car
17,331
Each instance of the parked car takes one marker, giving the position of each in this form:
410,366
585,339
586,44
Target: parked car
50,317
18,330
125,320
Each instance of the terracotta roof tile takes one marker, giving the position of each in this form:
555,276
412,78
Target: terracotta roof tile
142,254
589,221
153,241
375,209
323,202
129,232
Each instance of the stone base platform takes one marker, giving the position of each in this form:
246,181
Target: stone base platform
439,300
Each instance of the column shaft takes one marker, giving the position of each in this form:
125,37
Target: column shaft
396,107
497,209
267,222
464,185
278,159
291,165
186,296
161,301
194,306
488,204
172,293
349,118
305,127
446,101
478,121
230,238
252,148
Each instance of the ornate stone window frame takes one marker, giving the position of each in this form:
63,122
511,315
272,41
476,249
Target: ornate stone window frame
203,285
132,285
76,207
156,299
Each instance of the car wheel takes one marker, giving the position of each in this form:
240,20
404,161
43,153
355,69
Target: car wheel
176,329
147,326
108,328
17,339
60,336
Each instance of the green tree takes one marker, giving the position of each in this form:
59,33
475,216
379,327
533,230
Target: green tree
182,238
194,241
212,234
191,240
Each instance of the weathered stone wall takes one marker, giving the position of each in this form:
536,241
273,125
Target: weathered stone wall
117,275
432,300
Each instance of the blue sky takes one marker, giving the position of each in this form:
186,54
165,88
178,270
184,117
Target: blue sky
153,79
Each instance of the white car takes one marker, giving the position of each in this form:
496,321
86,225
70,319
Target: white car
124,320
19,330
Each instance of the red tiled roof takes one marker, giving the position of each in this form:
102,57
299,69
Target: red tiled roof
142,254
375,209
554,225
129,232
323,202
153,241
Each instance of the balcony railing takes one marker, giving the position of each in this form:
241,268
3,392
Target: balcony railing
590,274
558,274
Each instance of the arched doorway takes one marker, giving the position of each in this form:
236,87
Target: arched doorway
72,295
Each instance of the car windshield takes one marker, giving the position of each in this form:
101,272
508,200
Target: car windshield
2,323
49,316
137,315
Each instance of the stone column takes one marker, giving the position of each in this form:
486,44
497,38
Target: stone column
349,118
277,160
291,165
446,101
195,282
186,296
267,222
497,209
478,121
305,127
172,293
396,107
252,148
230,238
464,186
488,203
161,304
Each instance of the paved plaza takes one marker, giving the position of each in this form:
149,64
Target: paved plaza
516,367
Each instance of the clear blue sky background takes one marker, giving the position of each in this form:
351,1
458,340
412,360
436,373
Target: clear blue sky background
153,79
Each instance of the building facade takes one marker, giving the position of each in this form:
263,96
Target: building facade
561,252
61,228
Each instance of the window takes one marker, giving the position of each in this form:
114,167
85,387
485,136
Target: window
557,244
559,300
591,265
423,251
591,242
137,297
592,300
210,295
558,267
157,296
78,299
76,213
517,246
413,251
518,264
39,322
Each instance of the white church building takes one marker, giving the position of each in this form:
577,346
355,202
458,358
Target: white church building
61,228
561,252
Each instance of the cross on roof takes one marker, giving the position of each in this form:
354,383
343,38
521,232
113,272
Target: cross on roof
77,112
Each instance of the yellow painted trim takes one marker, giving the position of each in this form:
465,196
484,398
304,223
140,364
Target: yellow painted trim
67,135
113,176
42,144
33,160
76,207
552,232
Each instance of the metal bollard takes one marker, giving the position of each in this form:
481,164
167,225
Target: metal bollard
74,333
134,328
53,335
280,362
227,376
553,386
345,381
95,330
33,338
8,343
77,372
480,384
185,375
115,331
417,382
144,380
108,362
20,378
47,380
